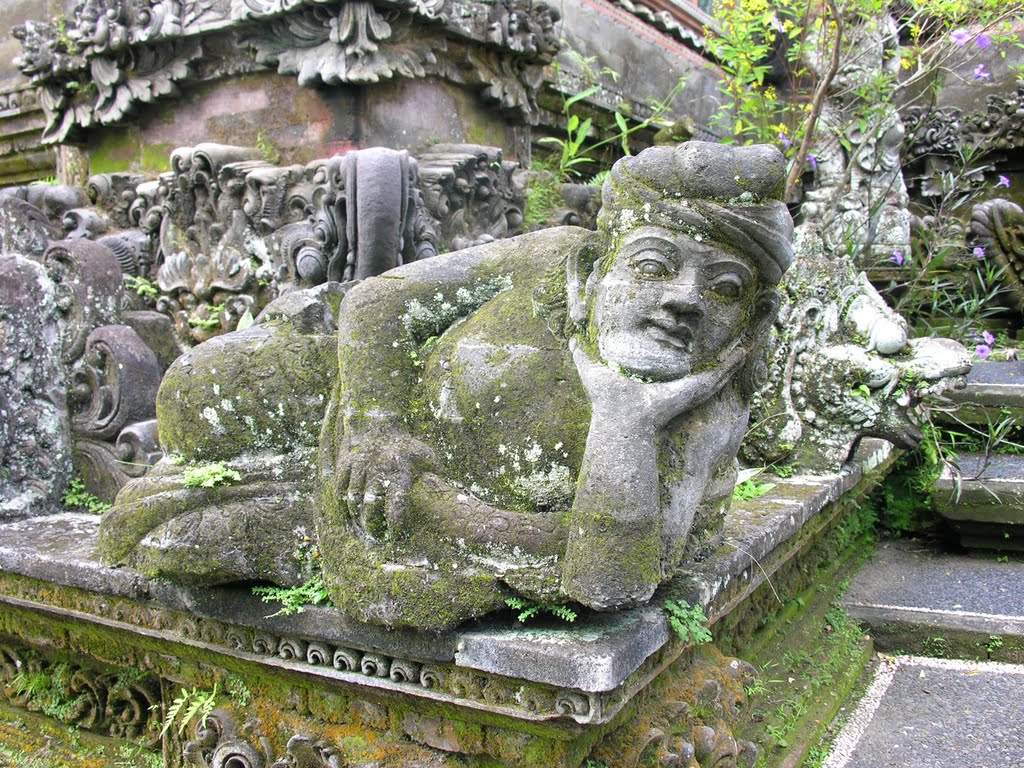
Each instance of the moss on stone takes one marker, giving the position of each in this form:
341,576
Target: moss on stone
261,389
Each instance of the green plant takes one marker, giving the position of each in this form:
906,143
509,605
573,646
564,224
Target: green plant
212,319
210,476
747,487
529,609
689,622
270,153
936,646
131,756
141,286
813,38
238,691
295,599
187,706
573,152
76,496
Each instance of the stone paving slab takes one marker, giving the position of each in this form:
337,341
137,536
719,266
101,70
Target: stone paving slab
905,582
935,713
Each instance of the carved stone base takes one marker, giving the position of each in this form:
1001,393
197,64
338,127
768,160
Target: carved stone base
113,651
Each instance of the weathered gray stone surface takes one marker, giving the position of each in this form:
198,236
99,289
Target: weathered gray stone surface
909,583
937,713
35,427
592,657
985,500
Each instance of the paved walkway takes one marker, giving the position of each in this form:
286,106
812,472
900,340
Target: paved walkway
936,713
921,712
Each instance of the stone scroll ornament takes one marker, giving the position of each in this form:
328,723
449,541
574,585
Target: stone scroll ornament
103,59
555,415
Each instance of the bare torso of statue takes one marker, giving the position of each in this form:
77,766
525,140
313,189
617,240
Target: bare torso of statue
554,416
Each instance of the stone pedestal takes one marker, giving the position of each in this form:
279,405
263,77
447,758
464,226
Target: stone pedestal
318,689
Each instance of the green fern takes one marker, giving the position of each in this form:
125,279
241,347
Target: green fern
689,622
295,599
529,609
189,705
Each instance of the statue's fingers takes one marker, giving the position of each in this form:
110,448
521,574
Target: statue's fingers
372,513
356,487
397,496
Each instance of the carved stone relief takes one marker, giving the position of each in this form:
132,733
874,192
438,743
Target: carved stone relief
224,232
842,367
689,722
106,57
122,704
936,137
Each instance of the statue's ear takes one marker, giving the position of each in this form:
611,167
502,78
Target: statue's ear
581,275
766,309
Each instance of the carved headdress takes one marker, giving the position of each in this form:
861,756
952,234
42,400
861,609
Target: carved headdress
688,186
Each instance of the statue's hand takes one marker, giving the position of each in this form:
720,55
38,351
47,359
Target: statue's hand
377,479
651,404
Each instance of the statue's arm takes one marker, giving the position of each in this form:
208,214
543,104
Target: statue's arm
615,533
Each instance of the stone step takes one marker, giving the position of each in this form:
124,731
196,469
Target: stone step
985,502
920,601
935,713
919,710
995,390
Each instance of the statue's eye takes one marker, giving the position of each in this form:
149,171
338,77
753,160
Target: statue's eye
652,268
727,286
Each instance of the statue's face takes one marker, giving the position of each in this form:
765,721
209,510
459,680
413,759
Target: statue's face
670,304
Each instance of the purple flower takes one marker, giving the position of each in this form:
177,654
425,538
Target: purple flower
778,25
988,338
981,74
979,252
960,37
813,162
983,41
785,140
1004,181
897,256
983,351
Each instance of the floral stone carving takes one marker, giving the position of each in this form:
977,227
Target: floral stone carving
105,58
489,402
843,367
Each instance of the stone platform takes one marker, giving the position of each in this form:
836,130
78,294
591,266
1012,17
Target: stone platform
527,695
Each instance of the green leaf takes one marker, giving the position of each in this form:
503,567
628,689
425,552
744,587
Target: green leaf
586,94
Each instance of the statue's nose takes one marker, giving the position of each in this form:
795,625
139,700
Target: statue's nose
683,301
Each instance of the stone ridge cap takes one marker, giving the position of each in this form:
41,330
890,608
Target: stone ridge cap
596,657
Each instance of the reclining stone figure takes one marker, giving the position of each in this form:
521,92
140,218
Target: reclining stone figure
555,415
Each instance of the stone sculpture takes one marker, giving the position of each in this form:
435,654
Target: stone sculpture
842,367
858,201
505,417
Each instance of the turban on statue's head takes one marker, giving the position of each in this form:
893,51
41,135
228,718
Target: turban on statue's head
725,194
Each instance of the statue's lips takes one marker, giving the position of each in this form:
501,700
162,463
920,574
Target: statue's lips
677,336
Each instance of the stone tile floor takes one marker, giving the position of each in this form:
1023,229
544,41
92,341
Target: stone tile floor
921,712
